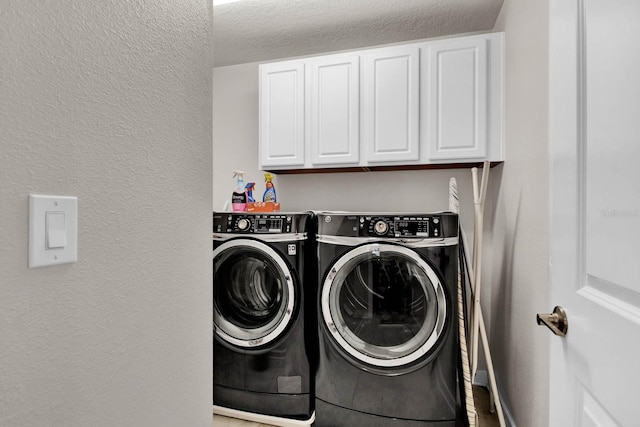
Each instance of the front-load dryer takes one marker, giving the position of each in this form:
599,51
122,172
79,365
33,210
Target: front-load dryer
263,294
387,329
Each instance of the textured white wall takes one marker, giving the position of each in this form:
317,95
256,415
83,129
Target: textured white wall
235,130
521,223
109,101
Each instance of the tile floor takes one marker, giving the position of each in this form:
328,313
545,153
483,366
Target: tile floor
486,418
483,408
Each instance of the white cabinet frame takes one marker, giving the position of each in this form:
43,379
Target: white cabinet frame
434,102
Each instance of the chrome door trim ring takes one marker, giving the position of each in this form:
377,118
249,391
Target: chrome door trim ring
264,237
410,242
287,311
344,344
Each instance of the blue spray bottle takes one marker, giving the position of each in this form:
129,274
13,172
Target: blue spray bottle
249,188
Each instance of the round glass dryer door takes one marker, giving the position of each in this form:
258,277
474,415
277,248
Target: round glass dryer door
384,305
253,293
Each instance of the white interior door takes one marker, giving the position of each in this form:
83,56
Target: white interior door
595,212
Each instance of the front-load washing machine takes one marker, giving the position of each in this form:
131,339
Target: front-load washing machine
386,318
263,294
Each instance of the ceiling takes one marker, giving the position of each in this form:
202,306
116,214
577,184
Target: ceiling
262,30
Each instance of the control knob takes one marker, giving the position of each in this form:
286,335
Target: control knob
243,224
380,227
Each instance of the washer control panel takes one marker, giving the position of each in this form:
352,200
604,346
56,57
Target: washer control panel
253,223
400,226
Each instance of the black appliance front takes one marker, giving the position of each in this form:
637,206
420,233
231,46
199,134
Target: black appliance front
386,320
261,295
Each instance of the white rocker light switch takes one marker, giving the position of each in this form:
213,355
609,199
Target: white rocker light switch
55,226
53,230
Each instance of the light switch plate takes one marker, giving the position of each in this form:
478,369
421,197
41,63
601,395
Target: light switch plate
63,230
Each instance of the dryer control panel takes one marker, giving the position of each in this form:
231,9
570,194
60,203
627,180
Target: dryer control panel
433,225
400,226
253,223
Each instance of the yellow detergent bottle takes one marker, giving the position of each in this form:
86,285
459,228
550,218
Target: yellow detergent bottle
270,191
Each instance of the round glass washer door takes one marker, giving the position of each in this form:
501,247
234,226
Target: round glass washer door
253,293
384,305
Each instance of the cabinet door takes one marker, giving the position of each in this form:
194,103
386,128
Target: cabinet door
282,114
334,98
455,106
390,108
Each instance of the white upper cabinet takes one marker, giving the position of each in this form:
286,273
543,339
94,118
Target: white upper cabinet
455,108
282,114
334,108
432,102
390,104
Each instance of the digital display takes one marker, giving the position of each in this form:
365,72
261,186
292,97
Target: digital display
411,228
268,225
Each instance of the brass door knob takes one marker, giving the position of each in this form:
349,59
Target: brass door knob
556,321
